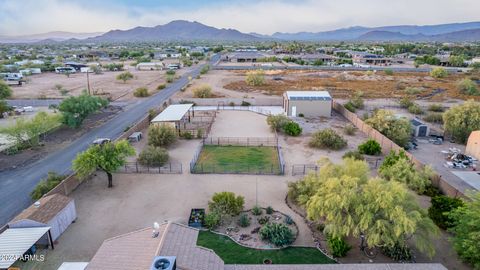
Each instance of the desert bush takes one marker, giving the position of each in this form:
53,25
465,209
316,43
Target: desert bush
255,78
205,69
440,209
292,128
256,210
153,156
396,129
269,210
277,122
170,78
370,147
288,220
439,73
200,133
434,118
276,233
226,203
459,121
415,109
263,220
349,129
125,76
405,102
202,91
328,139
187,135
161,135
338,246
413,91
245,103
244,221
212,220
349,106
468,87
357,100
141,92
353,154
435,108
161,86
170,72
388,72
45,185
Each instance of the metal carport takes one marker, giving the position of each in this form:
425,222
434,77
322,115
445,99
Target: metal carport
15,242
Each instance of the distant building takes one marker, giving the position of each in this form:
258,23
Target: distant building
307,103
242,57
150,66
370,59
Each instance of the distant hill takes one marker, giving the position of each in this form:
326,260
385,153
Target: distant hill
50,36
383,33
457,36
175,30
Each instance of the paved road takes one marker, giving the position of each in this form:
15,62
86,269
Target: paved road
16,185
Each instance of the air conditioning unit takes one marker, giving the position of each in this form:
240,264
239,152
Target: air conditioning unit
164,263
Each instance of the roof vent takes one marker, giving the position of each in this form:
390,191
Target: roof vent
164,263
37,204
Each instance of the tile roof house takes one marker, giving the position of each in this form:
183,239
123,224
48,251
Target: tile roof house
137,251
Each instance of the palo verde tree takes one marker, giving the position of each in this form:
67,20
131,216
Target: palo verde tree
396,129
5,91
459,121
107,157
76,109
349,203
125,76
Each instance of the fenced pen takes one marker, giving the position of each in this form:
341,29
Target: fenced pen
135,167
198,125
242,155
303,169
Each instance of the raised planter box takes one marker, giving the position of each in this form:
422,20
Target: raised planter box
197,218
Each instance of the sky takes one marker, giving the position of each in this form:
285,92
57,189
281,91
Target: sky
260,16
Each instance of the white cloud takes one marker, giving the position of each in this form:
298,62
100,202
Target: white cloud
265,16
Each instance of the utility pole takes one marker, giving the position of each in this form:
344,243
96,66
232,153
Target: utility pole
88,83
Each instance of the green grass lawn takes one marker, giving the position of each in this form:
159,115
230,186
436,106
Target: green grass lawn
232,253
240,159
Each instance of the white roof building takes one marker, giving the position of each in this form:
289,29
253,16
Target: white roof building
173,113
308,95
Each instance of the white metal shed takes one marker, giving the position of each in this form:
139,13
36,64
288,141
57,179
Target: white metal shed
14,242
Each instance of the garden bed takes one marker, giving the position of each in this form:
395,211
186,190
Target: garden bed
232,253
249,236
238,160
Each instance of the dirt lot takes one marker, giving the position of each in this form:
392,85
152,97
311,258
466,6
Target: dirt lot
342,84
240,124
44,85
55,140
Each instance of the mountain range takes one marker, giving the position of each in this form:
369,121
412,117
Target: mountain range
181,30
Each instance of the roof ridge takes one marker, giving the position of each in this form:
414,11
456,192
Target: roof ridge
129,233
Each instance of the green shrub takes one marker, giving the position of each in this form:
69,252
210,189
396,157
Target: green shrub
276,233
388,72
349,106
353,154
245,103
405,102
439,73
415,109
432,191
199,133
244,221
187,135
212,220
161,86
170,78
288,220
370,147
170,72
5,90
292,129
434,118
255,78
277,122
153,156
436,108
338,246
440,209
357,100
269,210
263,220
399,253
45,185
468,87
203,91
349,129
301,115
226,203
161,135
328,139
204,69
256,210
141,92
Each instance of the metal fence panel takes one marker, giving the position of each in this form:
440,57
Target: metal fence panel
135,167
303,169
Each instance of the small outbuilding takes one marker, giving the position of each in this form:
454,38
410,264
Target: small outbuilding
420,129
473,145
307,103
176,115
55,211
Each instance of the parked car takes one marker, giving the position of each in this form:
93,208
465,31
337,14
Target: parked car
101,141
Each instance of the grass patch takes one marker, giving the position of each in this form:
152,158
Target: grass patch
238,159
232,253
